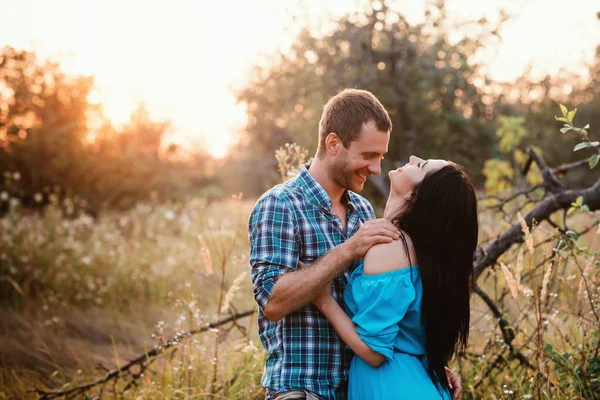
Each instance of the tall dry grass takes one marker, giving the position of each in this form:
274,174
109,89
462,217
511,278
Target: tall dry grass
82,295
547,292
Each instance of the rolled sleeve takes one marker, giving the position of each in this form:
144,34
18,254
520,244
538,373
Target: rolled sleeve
273,245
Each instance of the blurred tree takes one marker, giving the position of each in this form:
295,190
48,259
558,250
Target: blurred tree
430,78
536,101
43,120
423,74
45,136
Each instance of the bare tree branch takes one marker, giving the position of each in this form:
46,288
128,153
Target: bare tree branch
559,201
142,361
550,181
566,167
507,332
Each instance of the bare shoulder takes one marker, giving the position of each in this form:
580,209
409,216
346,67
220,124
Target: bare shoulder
391,256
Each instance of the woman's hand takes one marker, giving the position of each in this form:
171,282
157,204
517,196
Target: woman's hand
323,297
455,384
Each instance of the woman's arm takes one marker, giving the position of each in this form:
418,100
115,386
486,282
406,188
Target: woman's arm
346,328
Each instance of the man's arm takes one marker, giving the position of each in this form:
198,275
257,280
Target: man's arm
345,328
294,290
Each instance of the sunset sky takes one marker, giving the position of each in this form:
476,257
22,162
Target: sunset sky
183,58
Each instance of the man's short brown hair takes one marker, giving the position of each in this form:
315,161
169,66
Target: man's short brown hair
345,113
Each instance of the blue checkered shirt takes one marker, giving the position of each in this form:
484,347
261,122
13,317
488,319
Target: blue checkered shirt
294,222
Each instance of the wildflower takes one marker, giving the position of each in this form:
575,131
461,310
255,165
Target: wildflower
250,347
518,270
528,237
510,280
206,256
235,286
546,281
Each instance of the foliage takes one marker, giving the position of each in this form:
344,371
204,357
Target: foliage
61,145
182,263
500,172
499,175
428,76
424,74
290,159
537,99
567,118
57,257
546,288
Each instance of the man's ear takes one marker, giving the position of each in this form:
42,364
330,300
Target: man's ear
333,143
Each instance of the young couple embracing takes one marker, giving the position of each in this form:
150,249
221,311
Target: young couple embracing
354,307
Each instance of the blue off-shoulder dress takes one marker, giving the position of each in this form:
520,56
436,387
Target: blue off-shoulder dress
386,309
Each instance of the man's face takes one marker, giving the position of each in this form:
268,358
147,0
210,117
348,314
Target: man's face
351,167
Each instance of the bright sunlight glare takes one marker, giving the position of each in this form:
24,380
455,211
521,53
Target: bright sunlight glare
184,59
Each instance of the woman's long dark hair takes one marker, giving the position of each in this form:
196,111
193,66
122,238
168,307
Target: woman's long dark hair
441,220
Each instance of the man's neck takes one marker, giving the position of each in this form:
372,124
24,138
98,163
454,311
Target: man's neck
319,171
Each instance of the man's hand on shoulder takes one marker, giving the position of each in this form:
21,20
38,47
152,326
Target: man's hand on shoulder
371,233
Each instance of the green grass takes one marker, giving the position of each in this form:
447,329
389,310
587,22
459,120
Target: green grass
78,294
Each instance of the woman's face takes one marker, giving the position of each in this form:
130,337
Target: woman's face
404,179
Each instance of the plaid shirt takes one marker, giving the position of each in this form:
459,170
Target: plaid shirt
294,222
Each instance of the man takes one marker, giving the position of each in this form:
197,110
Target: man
311,232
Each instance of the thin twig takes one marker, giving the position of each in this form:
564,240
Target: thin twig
506,330
115,374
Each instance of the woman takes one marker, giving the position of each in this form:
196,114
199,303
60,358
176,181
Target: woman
408,303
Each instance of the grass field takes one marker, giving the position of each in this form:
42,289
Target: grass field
82,296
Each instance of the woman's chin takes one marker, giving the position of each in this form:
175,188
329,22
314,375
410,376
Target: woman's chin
395,171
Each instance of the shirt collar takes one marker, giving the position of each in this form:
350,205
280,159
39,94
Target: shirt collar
316,194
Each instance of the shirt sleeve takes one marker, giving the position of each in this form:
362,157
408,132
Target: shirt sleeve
381,302
273,245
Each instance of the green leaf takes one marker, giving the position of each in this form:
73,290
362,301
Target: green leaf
580,146
571,210
594,161
571,115
560,119
587,126
594,144
565,130
579,201
572,235
564,110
